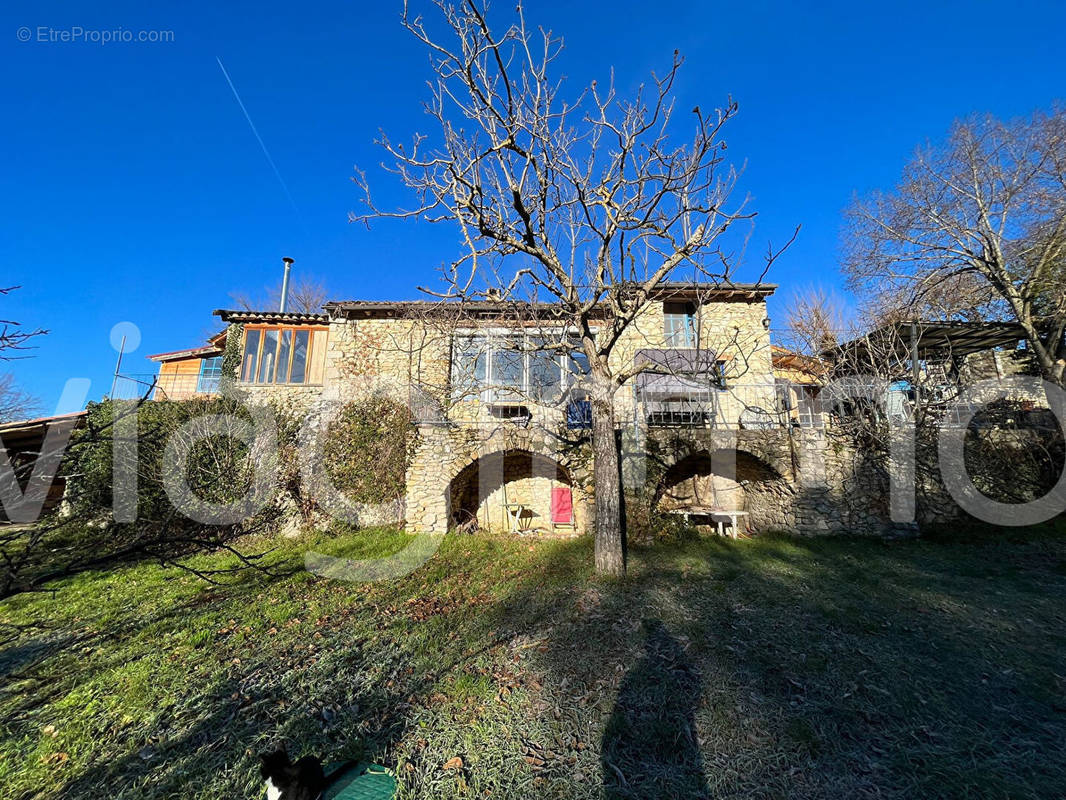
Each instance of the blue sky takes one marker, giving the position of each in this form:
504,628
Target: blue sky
134,190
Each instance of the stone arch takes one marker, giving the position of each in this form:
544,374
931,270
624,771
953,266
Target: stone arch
478,492
443,452
728,479
773,447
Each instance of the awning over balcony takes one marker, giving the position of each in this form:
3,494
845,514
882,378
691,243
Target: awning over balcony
677,373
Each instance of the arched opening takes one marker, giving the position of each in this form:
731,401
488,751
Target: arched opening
514,490
744,483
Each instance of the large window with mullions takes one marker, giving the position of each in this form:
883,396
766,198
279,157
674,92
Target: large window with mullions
278,354
514,367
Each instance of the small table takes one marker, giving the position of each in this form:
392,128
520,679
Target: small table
516,511
718,515
732,516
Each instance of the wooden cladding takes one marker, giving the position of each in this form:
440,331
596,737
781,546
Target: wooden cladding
283,354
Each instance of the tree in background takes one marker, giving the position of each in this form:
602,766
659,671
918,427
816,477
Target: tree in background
975,229
14,340
816,320
14,403
588,203
14,337
307,295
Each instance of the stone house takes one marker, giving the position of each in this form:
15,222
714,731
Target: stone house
502,421
717,420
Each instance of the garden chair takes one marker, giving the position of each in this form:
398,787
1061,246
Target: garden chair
562,509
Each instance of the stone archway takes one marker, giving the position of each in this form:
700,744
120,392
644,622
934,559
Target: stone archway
480,493
733,480
448,460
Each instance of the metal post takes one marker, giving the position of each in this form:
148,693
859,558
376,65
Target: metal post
118,366
915,367
285,285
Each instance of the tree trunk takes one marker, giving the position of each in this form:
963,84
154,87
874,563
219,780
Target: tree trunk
1057,373
607,479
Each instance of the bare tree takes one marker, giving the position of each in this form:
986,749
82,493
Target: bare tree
307,295
14,402
587,203
816,321
976,228
13,336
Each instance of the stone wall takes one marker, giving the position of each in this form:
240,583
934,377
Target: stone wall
799,479
385,355
733,330
441,478
789,479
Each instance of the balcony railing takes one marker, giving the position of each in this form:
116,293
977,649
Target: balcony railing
745,406
687,412
163,387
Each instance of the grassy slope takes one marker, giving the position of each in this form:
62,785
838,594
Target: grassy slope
774,667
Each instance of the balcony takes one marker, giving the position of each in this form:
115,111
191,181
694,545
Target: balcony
758,406
163,387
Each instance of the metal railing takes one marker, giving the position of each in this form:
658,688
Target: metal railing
743,406
163,387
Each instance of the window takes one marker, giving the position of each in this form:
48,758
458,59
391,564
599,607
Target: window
579,414
510,412
679,324
470,366
277,354
512,367
210,373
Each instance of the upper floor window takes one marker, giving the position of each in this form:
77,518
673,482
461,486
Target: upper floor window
679,324
210,374
513,367
276,354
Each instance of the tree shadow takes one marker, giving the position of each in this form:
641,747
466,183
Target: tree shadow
650,747
809,667
239,716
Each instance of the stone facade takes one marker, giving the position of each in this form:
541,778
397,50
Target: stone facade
472,469
459,473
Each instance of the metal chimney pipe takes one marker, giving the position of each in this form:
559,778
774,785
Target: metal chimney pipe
285,285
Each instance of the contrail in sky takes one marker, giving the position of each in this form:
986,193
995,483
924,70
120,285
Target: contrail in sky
262,144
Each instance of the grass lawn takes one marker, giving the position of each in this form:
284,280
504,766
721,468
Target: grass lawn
776,667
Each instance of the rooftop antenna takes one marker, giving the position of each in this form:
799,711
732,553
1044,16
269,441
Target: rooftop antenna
285,285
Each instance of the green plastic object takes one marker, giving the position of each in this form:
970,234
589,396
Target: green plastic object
360,781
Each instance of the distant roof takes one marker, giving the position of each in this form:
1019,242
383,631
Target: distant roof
30,432
783,358
930,337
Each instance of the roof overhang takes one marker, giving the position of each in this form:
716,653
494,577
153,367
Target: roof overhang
192,352
727,292
30,433
519,309
784,359
930,338
271,317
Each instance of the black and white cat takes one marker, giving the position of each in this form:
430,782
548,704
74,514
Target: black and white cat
304,780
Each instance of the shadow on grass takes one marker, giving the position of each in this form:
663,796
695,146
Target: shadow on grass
773,667
813,668
317,710
650,747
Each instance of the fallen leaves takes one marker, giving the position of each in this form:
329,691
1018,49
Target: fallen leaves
422,608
